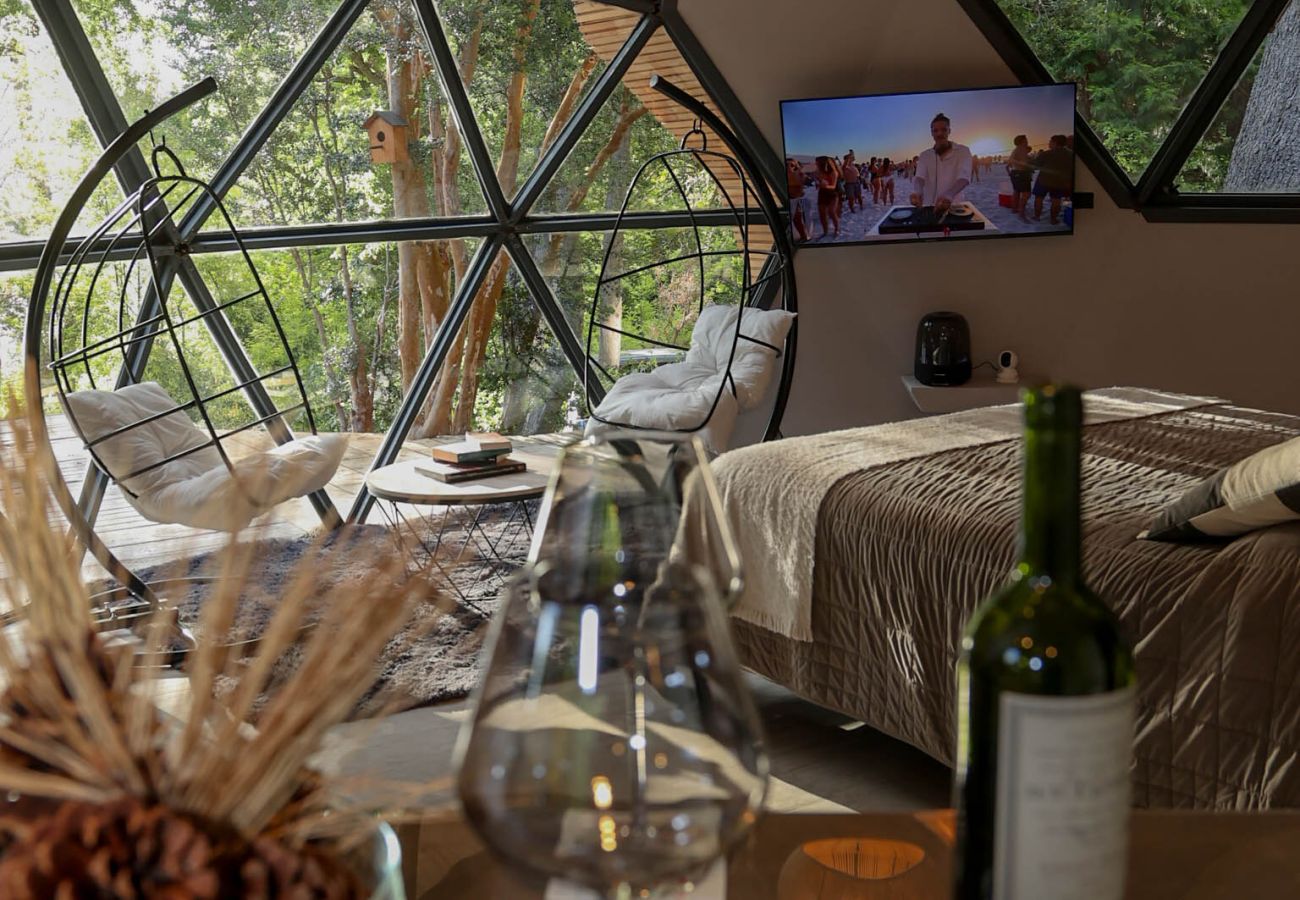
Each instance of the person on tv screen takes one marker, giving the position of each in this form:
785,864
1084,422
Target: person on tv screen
1021,173
799,215
1055,176
852,181
943,171
828,197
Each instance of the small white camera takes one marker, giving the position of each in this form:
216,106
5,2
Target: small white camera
1007,362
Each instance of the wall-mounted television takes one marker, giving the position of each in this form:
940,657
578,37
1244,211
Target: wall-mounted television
935,165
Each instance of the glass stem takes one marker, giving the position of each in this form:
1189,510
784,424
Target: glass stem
638,730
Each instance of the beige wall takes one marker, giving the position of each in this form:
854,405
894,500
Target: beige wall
1211,309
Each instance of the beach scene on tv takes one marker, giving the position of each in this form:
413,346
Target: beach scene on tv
951,164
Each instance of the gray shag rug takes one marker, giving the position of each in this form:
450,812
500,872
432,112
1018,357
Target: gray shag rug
442,664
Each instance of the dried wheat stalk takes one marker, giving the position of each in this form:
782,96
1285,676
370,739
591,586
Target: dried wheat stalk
78,725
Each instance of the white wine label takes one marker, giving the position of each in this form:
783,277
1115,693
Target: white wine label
1062,808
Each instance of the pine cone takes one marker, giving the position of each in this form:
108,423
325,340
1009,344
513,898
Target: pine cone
133,851
24,716
271,869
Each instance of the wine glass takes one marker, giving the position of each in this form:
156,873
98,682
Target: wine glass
613,742
660,487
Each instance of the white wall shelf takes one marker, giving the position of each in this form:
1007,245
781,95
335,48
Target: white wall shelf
981,390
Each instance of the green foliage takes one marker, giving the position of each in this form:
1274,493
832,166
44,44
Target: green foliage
14,290
16,22
1136,63
338,305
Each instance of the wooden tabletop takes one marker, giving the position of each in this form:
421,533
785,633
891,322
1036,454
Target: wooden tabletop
1173,855
403,482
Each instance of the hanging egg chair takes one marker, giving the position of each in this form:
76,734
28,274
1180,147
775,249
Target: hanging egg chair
714,357
155,381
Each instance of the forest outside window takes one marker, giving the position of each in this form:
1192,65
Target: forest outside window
1193,103
361,317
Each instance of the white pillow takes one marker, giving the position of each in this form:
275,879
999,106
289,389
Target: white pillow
673,397
100,412
197,489
754,363
218,501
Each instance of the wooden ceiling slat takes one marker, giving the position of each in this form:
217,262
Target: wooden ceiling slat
600,25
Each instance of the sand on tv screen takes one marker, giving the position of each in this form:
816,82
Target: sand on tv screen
987,162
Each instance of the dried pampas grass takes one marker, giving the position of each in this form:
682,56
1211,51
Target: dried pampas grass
92,758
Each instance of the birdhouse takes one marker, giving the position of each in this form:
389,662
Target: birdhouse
387,137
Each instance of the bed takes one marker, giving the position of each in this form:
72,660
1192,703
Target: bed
866,550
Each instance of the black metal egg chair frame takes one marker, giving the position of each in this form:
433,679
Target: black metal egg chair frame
755,290
86,319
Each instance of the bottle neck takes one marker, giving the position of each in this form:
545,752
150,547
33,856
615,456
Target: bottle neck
1049,526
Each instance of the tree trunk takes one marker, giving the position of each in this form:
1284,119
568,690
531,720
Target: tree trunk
508,164
435,418
628,114
341,411
270,190
559,248
386,295
474,336
1266,155
569,100
447,160
363,401
358,381
610,343
423,267
474,340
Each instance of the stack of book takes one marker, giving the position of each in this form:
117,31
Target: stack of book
480,455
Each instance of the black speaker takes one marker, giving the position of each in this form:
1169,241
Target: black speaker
943,349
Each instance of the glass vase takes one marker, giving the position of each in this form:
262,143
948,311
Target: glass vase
613,742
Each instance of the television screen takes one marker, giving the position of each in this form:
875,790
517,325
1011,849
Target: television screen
986,162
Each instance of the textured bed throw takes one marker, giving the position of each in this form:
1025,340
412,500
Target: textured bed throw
773,492
903,551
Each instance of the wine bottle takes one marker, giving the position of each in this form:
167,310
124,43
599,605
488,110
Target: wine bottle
1045,697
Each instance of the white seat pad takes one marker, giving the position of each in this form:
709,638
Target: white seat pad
197,489
224,502
673,397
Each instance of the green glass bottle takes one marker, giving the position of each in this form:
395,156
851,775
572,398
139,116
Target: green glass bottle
1045,697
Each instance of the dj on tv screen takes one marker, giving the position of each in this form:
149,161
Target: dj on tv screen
940,165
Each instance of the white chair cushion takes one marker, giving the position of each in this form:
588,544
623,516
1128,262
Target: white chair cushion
99,412
673,397
753,364
224,502
197,489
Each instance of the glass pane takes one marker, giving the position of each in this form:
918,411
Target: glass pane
151,50
357,326
15,288
634,124
1242,151
651,295
45,141
359,145
528,372
506,371
526,65
1136,62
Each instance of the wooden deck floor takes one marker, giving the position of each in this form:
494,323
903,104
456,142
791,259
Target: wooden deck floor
139,542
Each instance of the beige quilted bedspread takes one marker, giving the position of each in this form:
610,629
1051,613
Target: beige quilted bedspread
905,549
